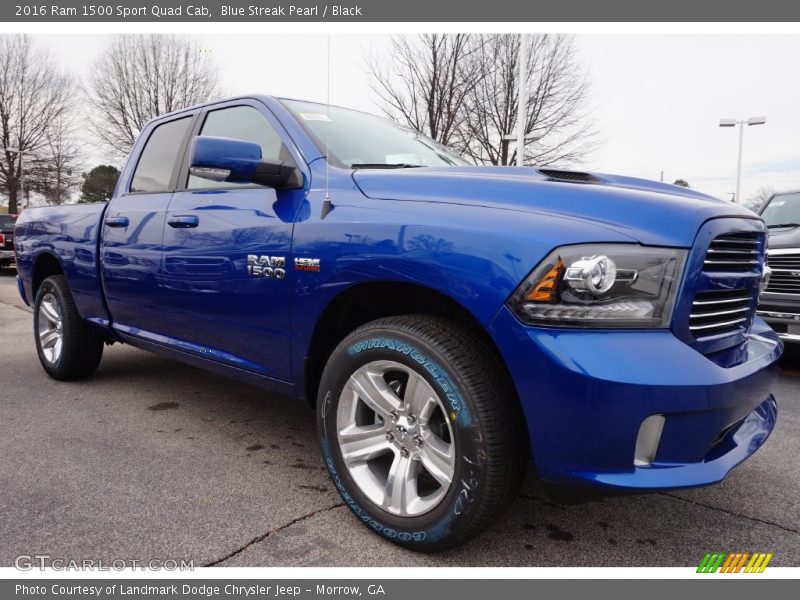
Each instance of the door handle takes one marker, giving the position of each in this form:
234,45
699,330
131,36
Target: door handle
117,221
183,221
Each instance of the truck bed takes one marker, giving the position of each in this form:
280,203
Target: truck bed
71,233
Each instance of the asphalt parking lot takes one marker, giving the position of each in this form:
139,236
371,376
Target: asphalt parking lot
151,459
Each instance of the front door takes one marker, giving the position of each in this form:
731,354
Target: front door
227,256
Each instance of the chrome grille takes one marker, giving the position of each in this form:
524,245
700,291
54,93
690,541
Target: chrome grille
733,252
785,273
723,307
721,311
783,283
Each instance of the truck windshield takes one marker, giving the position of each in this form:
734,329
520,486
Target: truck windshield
360,140
783,211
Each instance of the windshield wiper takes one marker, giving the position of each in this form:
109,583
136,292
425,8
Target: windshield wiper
384,166
776,225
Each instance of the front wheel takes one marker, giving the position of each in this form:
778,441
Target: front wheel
421,430
68,349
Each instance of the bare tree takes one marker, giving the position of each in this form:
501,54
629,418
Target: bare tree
462,90
34,95
427,81
761,195
55,172
141,76
557,131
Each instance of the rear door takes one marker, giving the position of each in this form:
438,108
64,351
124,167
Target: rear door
227,275
133,229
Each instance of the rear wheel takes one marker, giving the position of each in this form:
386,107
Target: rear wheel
421,430
68,349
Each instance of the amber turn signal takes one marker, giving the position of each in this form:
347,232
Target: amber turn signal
546,289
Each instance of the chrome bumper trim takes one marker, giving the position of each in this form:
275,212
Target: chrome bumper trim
789,337
772,314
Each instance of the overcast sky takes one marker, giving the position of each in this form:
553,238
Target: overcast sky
656,99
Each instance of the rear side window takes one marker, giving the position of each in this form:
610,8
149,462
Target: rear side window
241,123
154,171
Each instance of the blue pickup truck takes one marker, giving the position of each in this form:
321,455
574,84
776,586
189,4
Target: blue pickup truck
448,322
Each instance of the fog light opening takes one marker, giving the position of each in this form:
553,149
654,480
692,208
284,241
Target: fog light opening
647,441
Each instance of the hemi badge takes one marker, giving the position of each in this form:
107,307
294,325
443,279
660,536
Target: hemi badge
307,264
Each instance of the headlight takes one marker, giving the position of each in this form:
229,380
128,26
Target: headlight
602,285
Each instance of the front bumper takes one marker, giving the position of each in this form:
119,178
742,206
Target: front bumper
586,393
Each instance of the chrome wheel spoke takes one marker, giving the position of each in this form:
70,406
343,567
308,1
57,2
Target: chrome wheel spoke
57,348
50,338
437,457
50,310
420,399
361,444
401,485
373,391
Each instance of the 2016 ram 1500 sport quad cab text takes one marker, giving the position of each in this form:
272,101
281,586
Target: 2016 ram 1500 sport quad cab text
447,321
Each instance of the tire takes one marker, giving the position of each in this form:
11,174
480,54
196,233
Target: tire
393,470
68,349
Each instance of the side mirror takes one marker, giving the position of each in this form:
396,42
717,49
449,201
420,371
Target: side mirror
225,159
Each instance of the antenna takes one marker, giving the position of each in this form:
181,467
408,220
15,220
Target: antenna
326,203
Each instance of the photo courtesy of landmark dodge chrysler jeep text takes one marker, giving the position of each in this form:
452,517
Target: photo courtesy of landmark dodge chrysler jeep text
447,321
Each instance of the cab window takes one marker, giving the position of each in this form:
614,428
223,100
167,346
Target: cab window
154,169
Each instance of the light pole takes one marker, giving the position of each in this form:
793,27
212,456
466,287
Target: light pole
741,124
21,172
522,106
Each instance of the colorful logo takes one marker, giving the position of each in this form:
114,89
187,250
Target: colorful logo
735,562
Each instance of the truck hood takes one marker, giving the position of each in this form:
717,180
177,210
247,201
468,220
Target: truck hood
649,212
784,237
